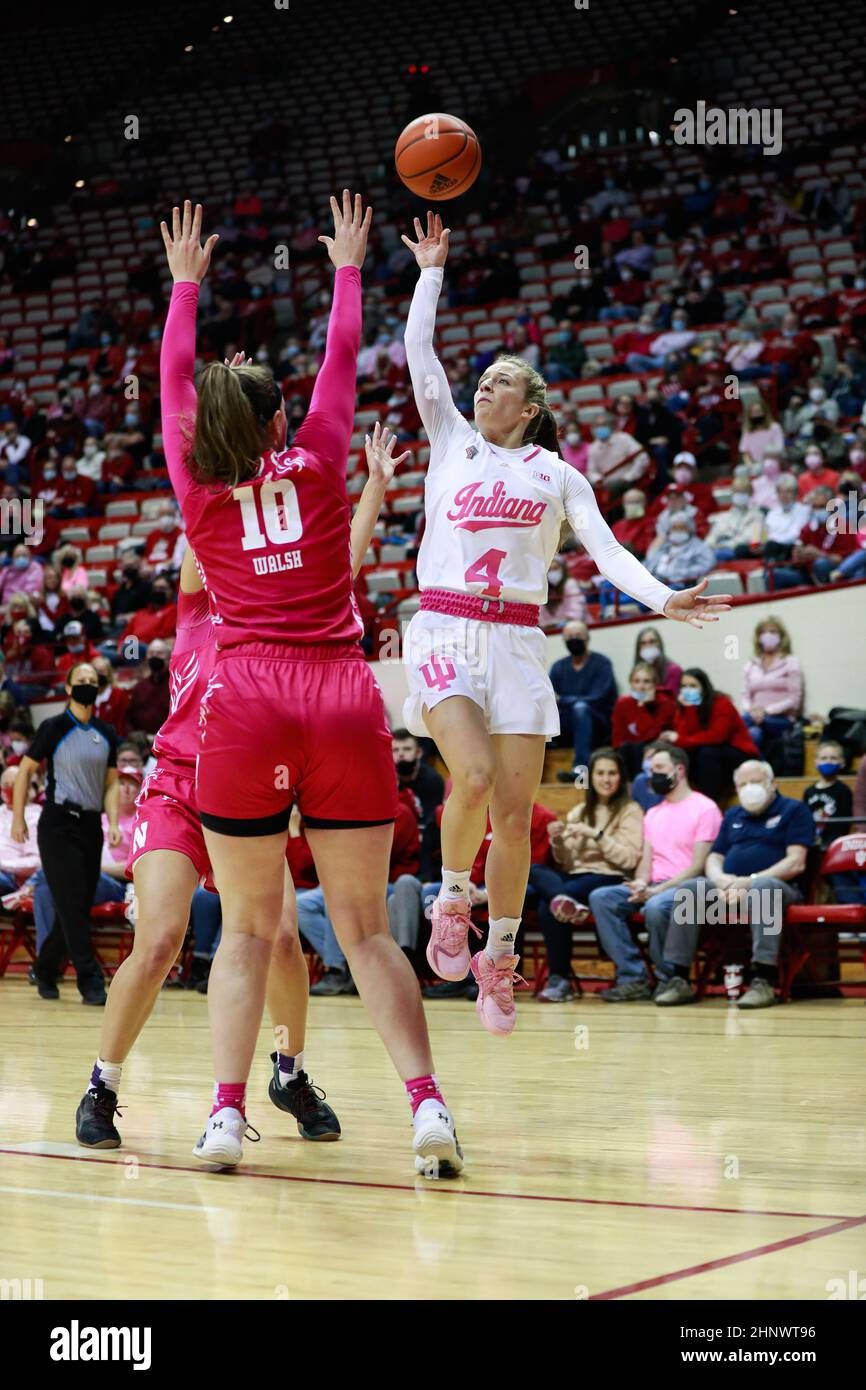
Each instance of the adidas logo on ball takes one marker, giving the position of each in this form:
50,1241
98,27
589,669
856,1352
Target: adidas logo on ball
440,185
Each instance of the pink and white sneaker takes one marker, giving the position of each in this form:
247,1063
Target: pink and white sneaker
568,910
448,949
495,1003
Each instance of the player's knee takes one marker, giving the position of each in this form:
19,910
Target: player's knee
287,947
474,785
157,952
512,823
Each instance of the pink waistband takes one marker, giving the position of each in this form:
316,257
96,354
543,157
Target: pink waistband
485,610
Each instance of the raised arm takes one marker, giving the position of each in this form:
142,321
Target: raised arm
188,262
622,569
381,464
327,428
433,396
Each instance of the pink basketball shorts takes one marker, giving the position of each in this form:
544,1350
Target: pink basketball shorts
284,724
166,817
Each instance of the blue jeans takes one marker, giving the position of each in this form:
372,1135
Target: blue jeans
8,883
108,890
315,926
643,362
207,921
771,726
548,884
853,566
583,726
611,909
849,888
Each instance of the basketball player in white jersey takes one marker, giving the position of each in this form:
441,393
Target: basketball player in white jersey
496,495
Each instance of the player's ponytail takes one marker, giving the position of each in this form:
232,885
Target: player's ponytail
542,428
235,407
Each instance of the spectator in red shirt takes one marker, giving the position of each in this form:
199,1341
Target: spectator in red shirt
118,468
78,648
158,619
159,545
404,892
634,529
640,716
788,353
150,696
76,495
112,702
29,666
710,728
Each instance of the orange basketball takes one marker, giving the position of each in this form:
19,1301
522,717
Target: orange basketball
438,156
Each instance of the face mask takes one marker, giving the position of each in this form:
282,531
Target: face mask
585,283
75,646
817,395
682,475
769,641
788,332
739,499
77,605
89,450
756,421
21,562
405,767
573,437
814,460
680,325
554,577
70,473
860,283
166,523
819,515
641,696
625,274
633,510
706,282
68,562
771,468
576,645
103,681
679,537
84,694
650,653
825,769
156,664
857,456
49,474
130,419
662,783
602,432
130,572
752,796
20,746
160,597
690,696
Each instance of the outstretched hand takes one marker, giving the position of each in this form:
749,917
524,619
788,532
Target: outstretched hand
348,245
432,249
188,260
690,606
381,463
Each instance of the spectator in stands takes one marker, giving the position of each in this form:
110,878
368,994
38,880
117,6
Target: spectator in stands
404,883
821,546
668,349
73,575
785,521
160,544
745,352
772,694
854,564
566,358
765,477
575,450
640,716
565,601
832,806
585,690
14,451
760,434
756,867
705,302
650,649
709,728
425,784
157,619
19,608
150,696
680,559
678,834
118,467
23,576
816,409
817,473
17,860
597,845
737,530
134,590
659,430
614,458
130,754
788,352
79,611
30,667
76,494
91,461
112,701
78,646
634,529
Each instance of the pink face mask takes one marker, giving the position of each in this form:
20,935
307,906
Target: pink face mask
771,468
682,475
769,641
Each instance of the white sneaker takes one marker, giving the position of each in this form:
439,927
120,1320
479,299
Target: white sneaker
222,1141
437,1151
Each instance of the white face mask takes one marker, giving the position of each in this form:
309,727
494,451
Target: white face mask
769,641
572,437
813,460
739,499
650,653
679,537
752,796
554,576
817,395
19,746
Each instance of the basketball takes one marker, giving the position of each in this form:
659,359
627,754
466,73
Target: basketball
438,156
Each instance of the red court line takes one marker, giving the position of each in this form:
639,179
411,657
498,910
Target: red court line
447,1186
846,1224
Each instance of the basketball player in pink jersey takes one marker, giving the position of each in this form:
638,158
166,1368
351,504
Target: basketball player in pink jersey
496,495
168,859
292,711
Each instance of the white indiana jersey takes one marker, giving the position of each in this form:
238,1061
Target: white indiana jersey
494,515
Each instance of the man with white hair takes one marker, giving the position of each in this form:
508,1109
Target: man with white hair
754,873
786,520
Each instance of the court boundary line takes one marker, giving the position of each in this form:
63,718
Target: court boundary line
447,1186
757,1252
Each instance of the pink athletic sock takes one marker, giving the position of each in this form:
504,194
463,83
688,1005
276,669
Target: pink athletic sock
231,1093
422,1088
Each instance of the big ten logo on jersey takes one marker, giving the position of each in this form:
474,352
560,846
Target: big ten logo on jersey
270,516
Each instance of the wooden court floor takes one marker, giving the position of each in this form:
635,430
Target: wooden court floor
611,1152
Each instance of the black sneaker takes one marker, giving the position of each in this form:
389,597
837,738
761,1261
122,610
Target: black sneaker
334,982
306,1103
452,989
94,1119
97,997
563,776
47,991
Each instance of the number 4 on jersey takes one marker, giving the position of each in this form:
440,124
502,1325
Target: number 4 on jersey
485,570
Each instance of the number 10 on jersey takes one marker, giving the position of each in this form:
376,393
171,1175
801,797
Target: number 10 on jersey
485,570
278,504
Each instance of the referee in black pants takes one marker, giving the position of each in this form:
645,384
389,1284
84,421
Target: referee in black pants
81,753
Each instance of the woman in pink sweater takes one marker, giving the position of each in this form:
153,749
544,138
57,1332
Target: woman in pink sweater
772,684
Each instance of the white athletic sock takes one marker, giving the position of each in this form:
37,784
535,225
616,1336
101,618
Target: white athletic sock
106,1072
454,884
501,937
289,1067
